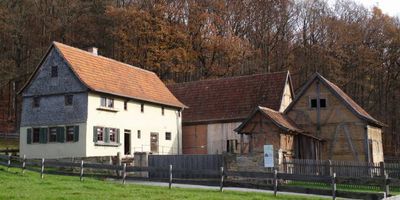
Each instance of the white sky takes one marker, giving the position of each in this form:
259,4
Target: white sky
390,7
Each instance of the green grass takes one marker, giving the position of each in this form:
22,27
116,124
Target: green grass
15,185
9,143
345,187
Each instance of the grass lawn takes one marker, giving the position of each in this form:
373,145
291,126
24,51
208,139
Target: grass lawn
15,185
9,143
344,187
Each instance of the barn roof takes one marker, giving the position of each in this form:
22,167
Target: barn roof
229,99
348,101
109,76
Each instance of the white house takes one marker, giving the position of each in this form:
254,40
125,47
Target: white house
80,104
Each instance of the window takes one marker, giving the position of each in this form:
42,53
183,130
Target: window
167,135
112,132
107,102
53,134
126,105
138,134
54,71
100,134
142,107
231,146
162,110
69,99
322,103
35,137
36,102
70,134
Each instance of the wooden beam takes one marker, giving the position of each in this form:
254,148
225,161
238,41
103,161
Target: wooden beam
350,141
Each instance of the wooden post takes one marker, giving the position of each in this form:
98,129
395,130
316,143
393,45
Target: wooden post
170,177
119,162
275,182
330,168
23,164
221,185
124,174
386,185
382,169
42,169
81,172
8,161
334,186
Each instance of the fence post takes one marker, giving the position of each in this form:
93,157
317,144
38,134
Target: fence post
330,168
170,177
81,172
42,169
8,161
124,174
221,185
275,182
23,164
119,163
382,169
334,186
386,185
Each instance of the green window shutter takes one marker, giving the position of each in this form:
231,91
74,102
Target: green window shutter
117,135
43,135
29,136
76,133
94,133
106,135
60,134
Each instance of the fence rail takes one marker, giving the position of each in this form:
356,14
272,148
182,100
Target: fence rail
277,179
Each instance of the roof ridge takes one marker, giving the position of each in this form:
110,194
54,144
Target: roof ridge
102,57
230,77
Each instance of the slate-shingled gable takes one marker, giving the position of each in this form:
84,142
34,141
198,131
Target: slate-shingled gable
230,99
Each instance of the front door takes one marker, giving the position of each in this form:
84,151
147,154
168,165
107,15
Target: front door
154,142
127,142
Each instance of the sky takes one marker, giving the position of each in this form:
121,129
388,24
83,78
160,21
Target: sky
390,7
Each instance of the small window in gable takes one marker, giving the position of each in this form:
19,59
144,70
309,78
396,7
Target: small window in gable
142,107
54,71
322,103
162,110
139,134
36,102
69,99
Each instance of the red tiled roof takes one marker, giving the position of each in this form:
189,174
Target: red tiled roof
109,76
280,119
229,99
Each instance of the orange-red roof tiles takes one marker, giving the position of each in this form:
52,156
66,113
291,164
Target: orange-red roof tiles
106,75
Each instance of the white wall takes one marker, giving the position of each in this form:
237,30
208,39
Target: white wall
151,120
53,150
287,97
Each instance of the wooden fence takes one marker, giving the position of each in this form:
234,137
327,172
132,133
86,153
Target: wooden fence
276,180
187,162
341,168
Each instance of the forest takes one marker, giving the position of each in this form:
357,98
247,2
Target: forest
355,47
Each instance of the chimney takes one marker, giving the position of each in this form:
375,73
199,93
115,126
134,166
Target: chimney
93,50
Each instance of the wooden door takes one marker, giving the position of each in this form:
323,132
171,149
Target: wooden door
127,142
154,142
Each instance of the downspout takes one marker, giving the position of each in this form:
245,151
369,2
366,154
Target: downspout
318,109
178,129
